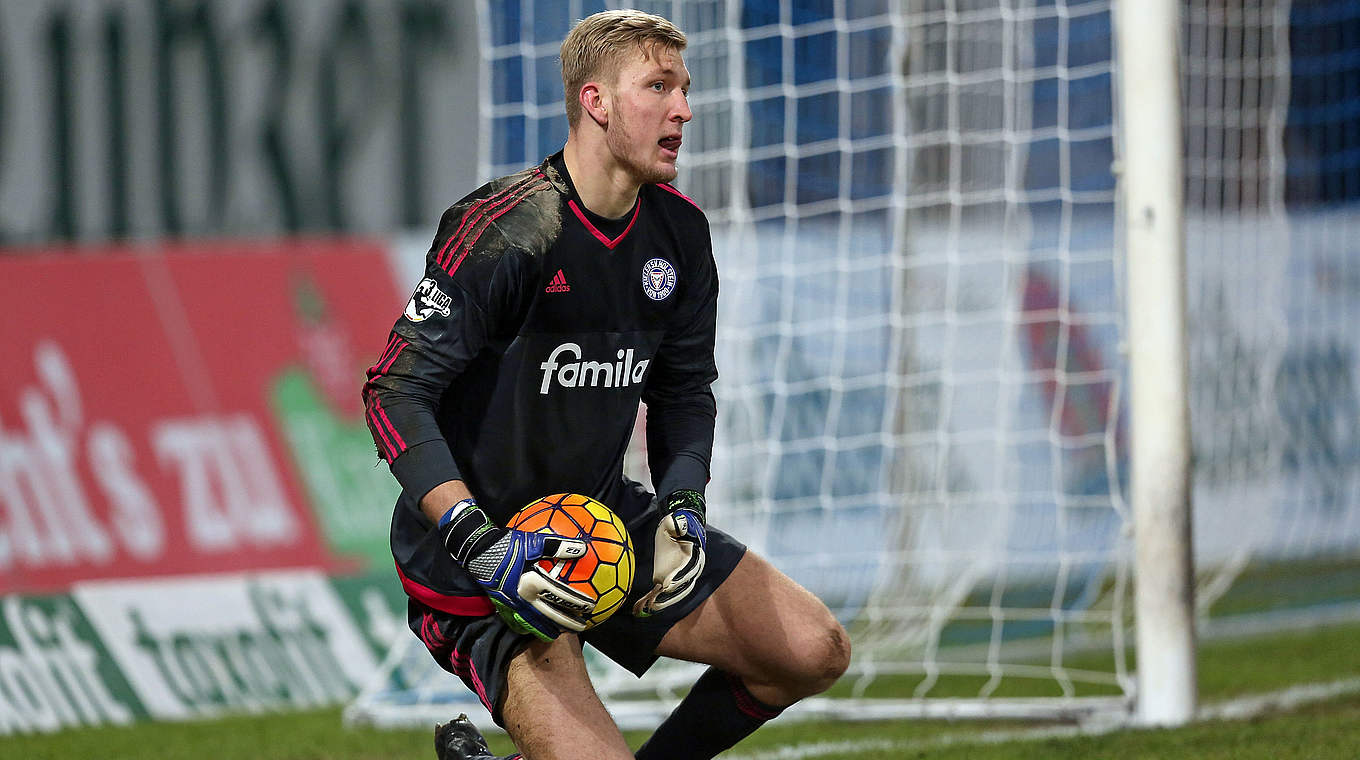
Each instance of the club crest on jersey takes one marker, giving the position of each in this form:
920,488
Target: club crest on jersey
658,279
426,301
574,373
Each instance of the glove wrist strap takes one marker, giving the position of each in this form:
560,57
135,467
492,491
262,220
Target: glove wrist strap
467,530
689,499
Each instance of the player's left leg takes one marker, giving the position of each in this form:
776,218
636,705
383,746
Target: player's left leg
770,643
762,626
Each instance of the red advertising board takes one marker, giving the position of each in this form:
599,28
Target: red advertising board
157,406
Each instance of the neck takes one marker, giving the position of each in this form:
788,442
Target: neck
606,188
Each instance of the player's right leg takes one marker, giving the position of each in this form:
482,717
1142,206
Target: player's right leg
551,710
460,740
540,693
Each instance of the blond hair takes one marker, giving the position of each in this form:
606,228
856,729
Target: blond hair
596,46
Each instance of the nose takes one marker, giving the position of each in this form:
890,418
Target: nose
680,110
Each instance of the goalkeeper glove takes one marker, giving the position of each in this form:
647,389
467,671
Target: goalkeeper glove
679,557
503,561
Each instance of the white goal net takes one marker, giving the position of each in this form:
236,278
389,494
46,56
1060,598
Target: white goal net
922,402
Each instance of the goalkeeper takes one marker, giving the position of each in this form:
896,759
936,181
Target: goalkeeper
553,301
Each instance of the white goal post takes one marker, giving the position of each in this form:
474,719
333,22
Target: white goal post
982,261
1152,176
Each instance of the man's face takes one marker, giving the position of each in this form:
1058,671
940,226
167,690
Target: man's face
649,106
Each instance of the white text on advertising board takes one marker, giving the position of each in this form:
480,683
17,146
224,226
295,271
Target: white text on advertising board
50,678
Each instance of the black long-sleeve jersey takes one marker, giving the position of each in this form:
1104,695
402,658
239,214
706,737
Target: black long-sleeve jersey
519,361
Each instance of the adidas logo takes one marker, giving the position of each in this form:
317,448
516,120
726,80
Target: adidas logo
558,284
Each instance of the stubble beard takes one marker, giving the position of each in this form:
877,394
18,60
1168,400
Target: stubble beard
645,173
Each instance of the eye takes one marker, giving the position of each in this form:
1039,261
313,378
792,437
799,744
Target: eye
658,86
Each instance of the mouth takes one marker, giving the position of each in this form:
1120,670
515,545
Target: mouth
670,146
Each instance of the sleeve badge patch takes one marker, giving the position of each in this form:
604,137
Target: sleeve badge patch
426,301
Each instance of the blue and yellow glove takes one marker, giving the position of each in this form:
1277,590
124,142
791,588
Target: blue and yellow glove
502,560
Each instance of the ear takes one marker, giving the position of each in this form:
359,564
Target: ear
595,103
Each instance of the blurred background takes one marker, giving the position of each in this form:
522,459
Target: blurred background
212,212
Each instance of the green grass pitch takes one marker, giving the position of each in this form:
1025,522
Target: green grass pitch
1227,668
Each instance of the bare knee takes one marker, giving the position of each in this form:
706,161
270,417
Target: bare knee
817,659
762,626
830,658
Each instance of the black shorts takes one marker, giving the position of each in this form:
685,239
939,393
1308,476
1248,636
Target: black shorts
478,649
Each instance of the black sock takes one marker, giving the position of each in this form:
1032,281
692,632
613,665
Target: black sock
716,714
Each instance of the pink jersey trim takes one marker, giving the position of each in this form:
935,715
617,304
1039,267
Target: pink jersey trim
600,236
389,451
377,407
473,214
746,702
462,665
515,202
386,365
467,606
384,362
389,441
673,191
508,199
392,340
